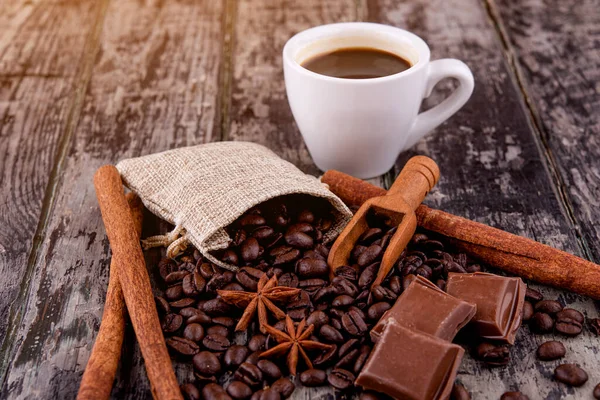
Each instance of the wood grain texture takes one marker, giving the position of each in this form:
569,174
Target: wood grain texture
555,51
41,51
492,171
154,86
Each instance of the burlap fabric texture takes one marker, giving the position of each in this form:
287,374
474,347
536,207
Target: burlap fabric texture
202,189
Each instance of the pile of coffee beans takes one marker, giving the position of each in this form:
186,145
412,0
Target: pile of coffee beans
284,237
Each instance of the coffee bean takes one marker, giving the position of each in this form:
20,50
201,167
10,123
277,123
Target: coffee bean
368,275
217,282
176,277
594,325
407,280
568,326
224,321
354,323
253,358
284,387
340,379
336,323
194,332
364,353
376,311
330,334
250,250
212,391
248,373
299,240
195,316
216,307
235,355
369,255
326,357
311,268
541,322
370,235
216,342
596,392
318,319
395,284
206,270
493,355
219,330
514,396
263,233
527,311
190,391
269,370
357,251
162,305
551,350
570,374
182,303
206,363
289,279
347,272
348,358
313,377
248,277
344,286
183,346
239,390
230,257
459,392
284,255
266,394
252,220
342,301
166,266
174,292
548,306
381,293
171,323
257,342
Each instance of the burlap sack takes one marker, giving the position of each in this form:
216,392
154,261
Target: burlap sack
202,189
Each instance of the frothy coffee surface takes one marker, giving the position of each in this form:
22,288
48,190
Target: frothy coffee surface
357,63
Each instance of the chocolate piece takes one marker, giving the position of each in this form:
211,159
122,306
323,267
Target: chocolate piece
426,308
499,302
408,364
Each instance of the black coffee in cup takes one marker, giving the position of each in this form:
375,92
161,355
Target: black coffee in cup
357,63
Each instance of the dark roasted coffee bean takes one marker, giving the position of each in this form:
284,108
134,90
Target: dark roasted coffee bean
269,369
347,272
206,270
249,374
336,323
541,322
369,256
306,216
284,387
493,355
354,323
174,292
570,374
302,227
197,317
324,294
262,233
212,391
239,390
162,305
216,307
367,276
250,220
176,277
459,392
326,357
299,240
514,396
551,350
455,267
248,277
594,325
313,377
566,325
527,311
254,357
357,251
216,342
188,266
341,379
182,346
330,334
312,284
250,249
344,286
424,271
395,284
418,238
548,306
217,330
342,301
407,280
166,266
194,332
533,295
217,282
381,293
370,235
311,268
206,363
365,350
182,303
288,256
298,314
239,236
289,279
257,342
347,347
348,359
430,245
266,394
171,323
596,392
235,355
190,391
230,257
193,284
569,313
318,319
376,311
224,321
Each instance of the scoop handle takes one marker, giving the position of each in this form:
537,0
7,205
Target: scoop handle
417,178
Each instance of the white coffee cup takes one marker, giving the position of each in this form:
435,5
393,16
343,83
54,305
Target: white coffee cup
359,126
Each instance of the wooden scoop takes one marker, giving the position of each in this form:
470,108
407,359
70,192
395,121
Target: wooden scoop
417,178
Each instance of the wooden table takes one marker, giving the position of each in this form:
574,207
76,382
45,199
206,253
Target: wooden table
84,83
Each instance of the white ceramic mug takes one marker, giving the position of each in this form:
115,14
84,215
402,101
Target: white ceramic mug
359,126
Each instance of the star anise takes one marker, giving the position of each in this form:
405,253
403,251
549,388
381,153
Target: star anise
295,341
268,292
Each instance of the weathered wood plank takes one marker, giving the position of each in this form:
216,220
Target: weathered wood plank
154,86
557,57
493,172
41,51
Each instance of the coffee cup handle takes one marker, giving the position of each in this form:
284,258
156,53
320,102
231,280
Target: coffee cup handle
438,70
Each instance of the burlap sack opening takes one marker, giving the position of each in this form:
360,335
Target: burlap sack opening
203,189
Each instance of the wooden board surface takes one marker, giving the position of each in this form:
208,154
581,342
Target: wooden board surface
141,77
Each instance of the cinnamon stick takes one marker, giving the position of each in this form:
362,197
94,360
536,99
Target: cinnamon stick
99,375
135,282
511,253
